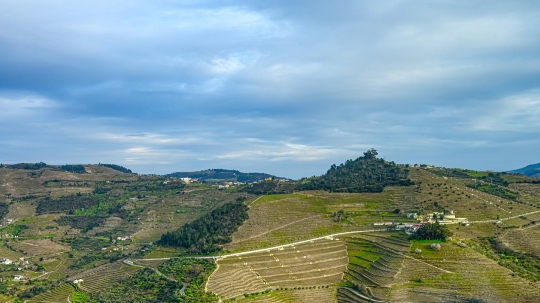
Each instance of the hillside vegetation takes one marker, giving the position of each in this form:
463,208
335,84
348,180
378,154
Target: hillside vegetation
209,232
92,236
365,174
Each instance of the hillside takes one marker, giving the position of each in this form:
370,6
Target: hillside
532,170
92,237
365,174
217,175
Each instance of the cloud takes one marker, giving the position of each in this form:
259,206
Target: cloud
276,86
21,105
518,113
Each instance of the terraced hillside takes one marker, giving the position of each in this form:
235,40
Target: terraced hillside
307,295
58,294
281,219
265,262
375,261
104,276
320,263
470,275
384,266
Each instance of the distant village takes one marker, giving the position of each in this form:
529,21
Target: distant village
444,218
221,184
19,264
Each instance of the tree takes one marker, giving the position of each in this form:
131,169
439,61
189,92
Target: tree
433,232
370,154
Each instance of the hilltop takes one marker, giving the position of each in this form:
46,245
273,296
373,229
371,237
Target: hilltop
532,170
364,174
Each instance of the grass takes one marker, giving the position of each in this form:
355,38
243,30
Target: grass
78,297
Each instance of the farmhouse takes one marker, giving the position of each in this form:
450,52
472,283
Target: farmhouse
7,262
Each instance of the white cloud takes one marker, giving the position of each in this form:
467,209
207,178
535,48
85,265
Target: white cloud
516,113
14,106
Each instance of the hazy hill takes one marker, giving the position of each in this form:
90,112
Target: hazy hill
532,170
72,168
222,175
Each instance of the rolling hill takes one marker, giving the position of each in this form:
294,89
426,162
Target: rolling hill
93,236
532,170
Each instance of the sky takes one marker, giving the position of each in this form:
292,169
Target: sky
282,87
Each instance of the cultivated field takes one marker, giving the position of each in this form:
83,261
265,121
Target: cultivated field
102,277
56,295
464,274
281,219
320,263
308,295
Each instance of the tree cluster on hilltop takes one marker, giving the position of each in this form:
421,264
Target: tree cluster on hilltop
78,169
27,166
365,174
209,232
116,167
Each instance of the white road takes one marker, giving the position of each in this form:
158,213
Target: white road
269,248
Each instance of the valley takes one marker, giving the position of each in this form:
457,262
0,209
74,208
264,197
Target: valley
73,237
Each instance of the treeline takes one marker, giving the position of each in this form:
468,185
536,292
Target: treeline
66,204
78,169
432,231
4,209
207,233
494,178
451,172
84,223
365,174
495,190
28,166
116,167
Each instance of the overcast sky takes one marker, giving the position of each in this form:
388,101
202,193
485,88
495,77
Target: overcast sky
283,87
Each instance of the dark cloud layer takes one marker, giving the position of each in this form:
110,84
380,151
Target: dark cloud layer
285,88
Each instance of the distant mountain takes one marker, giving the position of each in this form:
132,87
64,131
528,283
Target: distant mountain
532,170
222,175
